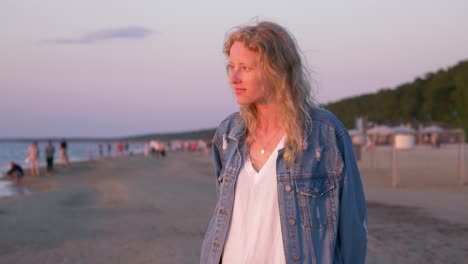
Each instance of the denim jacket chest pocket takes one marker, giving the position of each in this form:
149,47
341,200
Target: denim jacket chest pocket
317,188
315,197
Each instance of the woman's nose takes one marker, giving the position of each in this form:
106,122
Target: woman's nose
234,77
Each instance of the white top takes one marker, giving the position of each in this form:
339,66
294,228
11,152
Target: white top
255,232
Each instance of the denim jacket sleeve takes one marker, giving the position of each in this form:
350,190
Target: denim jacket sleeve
352,222
218,161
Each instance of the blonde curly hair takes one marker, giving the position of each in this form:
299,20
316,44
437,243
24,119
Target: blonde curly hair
282,66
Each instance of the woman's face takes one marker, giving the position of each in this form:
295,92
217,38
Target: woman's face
245,76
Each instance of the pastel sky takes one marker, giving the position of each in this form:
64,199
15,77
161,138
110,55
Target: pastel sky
117,68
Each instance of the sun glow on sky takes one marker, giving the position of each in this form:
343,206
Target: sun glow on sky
116,68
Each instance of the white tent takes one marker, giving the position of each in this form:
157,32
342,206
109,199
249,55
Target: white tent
432,130
404,137
380,130
354,132
403,130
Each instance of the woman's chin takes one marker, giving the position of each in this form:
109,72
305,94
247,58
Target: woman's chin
242,102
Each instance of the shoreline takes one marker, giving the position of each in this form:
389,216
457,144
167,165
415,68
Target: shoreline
34,184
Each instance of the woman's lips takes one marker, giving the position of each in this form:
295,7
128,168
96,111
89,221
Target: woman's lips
239,91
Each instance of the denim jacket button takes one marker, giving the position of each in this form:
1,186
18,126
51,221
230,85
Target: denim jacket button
223,212
292,222
316,189
296,258
287,188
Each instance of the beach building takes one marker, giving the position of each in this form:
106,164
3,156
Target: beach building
379,135
403,137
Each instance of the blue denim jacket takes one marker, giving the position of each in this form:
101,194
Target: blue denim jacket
321,203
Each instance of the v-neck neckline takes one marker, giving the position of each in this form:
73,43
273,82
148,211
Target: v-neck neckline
267,162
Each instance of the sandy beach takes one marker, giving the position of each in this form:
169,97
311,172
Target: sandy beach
124,210
139,209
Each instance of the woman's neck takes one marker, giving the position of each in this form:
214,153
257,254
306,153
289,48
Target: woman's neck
268,119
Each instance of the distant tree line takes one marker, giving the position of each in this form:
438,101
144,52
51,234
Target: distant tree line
440,97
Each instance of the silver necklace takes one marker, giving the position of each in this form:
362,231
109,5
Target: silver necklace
262,150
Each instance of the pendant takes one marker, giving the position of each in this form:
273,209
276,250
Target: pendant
262,151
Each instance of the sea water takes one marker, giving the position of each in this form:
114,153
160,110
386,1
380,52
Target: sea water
77,151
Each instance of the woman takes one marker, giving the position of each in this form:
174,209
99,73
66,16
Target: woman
289,190
33,158
63,152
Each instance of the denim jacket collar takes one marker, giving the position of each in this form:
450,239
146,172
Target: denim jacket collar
239,130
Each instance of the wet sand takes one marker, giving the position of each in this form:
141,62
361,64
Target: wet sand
147,210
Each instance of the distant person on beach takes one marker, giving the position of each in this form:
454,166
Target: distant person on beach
116,149
146,148
109,149
127,148
101,150
435,140
63,152
33,159
121,148
90,153
289,189
49,154
15,172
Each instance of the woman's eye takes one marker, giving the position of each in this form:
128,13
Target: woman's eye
229,68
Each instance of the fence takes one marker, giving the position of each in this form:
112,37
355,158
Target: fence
418,166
